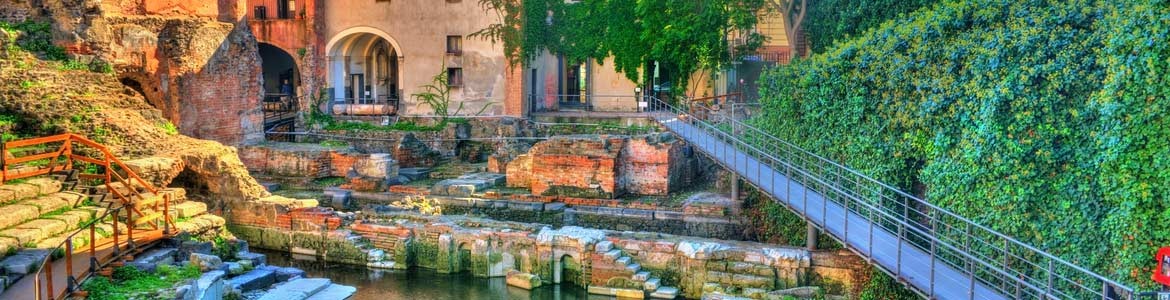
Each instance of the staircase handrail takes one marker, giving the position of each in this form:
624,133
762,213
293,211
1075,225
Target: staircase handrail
1008,241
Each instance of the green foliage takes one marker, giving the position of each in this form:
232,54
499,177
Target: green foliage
334,143
224,248
829,21
437,96
301,52
29,84
684,35
329,181
36,37
1042,120
168,127
72,64
883,287
131,283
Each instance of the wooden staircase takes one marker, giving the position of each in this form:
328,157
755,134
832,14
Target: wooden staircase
135,213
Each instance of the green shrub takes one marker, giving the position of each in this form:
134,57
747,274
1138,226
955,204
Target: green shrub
1042,120
168,127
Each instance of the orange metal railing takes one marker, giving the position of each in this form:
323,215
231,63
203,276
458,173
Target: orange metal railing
94,164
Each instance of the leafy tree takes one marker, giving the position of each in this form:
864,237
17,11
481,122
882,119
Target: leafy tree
682,35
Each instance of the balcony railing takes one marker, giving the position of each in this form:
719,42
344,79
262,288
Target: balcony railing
599,103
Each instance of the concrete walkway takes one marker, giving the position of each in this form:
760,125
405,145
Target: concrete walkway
928,274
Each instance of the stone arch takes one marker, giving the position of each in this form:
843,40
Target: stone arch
278,64
364,68
567,268
463,258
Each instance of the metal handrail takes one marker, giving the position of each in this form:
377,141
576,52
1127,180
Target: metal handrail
930,230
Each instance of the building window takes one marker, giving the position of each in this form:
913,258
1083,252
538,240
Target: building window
283,9
260,12
455,76
454,44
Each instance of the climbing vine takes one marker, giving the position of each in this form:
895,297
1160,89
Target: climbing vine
1044,120
684,36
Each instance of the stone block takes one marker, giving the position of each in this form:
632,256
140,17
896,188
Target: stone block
253,280
150,260
334,292
23,235
256,258
210,286
523,280
14,214
189,209
20,191
46,204
415,173
23,262
297,289
288,273
206,262
665,292
45,186
234,268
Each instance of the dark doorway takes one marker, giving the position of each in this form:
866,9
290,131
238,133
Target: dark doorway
281,99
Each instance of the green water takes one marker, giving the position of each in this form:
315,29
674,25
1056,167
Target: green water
422,284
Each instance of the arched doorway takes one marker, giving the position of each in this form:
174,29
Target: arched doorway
567,269
278,68
280,81
364,73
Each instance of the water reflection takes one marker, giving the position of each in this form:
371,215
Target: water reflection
421,284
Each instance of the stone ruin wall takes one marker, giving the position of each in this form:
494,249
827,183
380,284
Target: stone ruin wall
196,61
604,166
696,266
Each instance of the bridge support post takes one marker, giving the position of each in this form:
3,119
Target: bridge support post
811,238
734,187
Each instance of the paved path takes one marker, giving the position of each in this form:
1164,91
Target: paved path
24,289
882,246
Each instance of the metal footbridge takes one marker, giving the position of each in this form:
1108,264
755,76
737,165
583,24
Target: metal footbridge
940,254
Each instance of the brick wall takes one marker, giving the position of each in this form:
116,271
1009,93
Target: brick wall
602,166
270,215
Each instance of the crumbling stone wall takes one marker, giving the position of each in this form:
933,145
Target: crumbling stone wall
194,70
15,11
601,166
370,172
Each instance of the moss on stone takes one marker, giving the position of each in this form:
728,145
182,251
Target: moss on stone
577,192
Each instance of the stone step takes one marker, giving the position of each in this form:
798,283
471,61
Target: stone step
253,280
334,292
188,209
200,223
22,263
642,276
665,292
613,254
634,268
603,246
618,292
624,260
297,289
651,284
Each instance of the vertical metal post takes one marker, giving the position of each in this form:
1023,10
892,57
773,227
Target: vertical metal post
932,254
810,236
970,265
1047,290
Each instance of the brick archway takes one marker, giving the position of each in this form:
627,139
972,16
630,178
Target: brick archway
364,72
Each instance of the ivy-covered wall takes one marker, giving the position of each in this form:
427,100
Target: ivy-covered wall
1044,120
837,20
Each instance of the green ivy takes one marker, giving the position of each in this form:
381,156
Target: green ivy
830,21
683,35
1044,120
